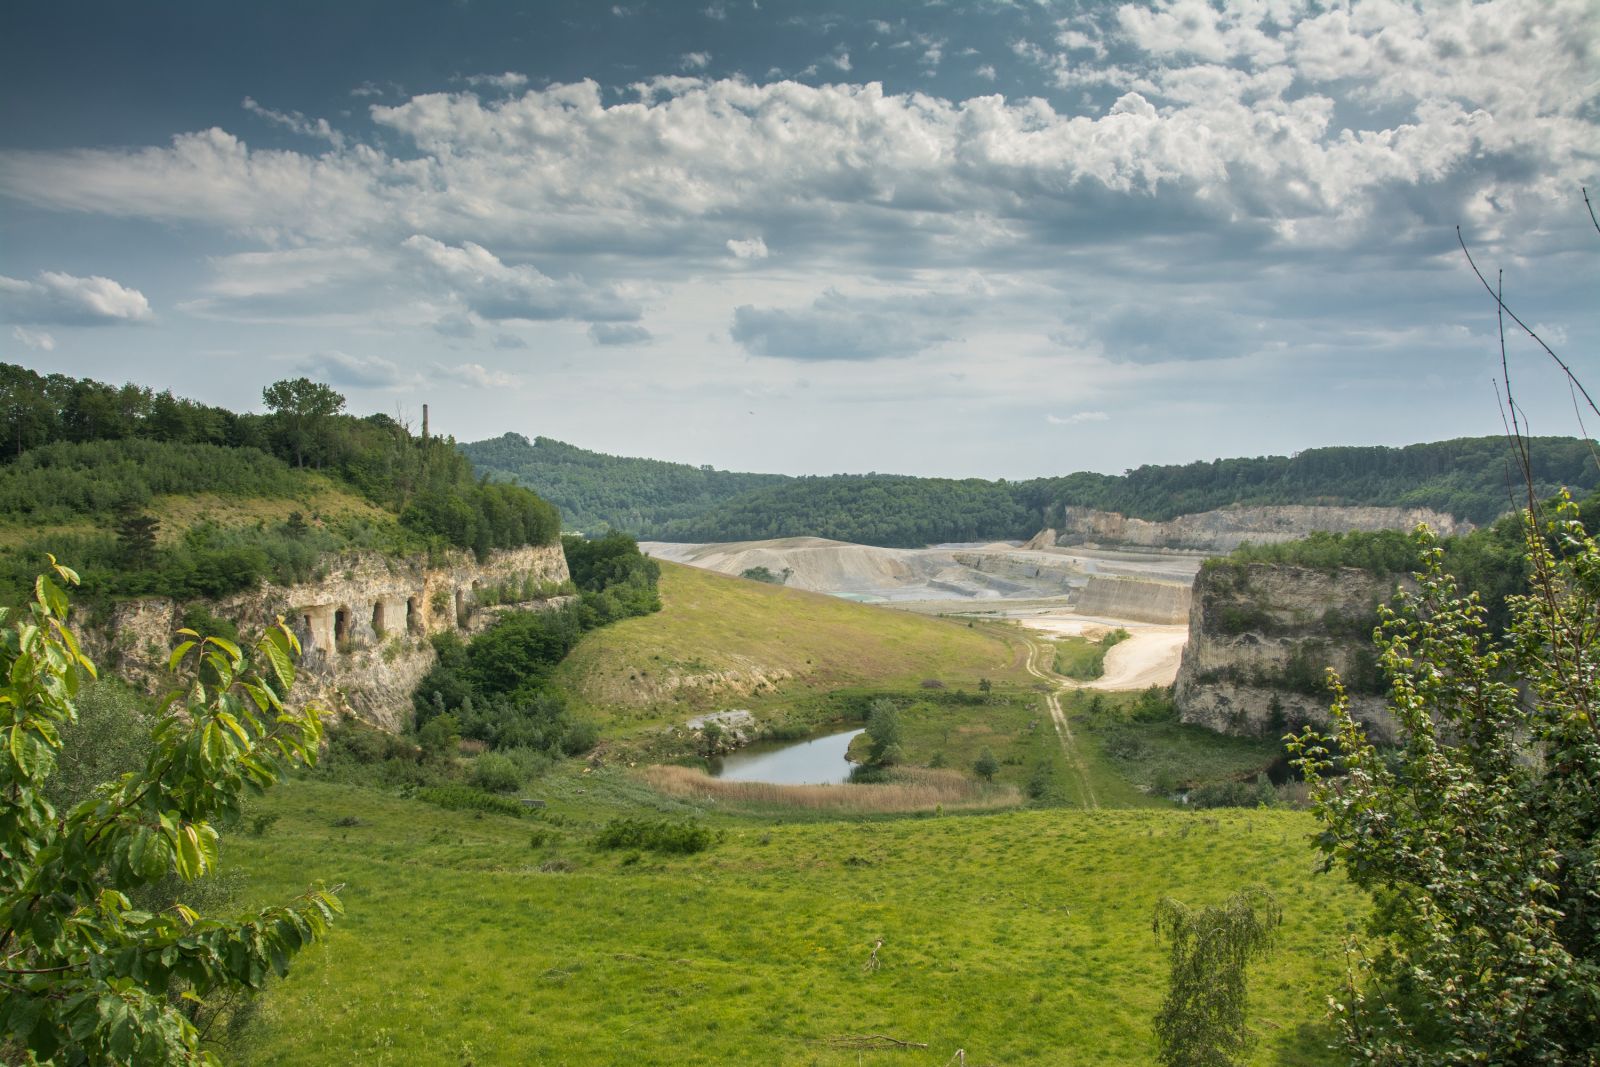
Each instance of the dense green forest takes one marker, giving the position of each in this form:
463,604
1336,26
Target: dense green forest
94,461
597,492
1467,477
1472,478
873,509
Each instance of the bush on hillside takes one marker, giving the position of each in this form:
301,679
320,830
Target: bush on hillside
655,835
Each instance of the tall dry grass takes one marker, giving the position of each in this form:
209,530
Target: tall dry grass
914,789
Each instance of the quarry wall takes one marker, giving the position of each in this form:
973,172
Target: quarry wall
1225,529
363,629
1137,599
1261,637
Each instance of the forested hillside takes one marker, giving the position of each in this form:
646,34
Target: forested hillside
144,492
596,492
1467,477
874,509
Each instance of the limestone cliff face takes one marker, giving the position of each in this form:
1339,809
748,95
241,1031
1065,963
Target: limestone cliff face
363,629
1225,529
1262,635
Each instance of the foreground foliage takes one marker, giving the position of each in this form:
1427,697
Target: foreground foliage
88,976
1480,836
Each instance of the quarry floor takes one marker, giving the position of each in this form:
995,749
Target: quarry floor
1001,580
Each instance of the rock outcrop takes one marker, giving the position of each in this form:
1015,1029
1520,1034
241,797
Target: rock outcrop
363,629
1261,637
1225,529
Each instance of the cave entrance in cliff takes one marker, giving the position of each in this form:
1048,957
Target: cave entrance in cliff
378,620
413,615
461,609
341,627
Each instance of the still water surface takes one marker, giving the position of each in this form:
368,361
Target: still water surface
817,761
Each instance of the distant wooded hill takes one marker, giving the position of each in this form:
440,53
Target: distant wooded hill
596,491
1468,477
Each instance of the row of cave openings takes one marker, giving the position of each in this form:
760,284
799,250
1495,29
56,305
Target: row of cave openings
345,622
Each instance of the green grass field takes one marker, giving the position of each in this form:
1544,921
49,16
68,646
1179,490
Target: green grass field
720,641
1084,659
1021,937
1163,756
946,729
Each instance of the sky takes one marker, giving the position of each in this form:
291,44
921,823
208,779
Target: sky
972,239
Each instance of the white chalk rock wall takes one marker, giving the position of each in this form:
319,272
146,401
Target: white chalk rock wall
1260,638
1225,529
363,629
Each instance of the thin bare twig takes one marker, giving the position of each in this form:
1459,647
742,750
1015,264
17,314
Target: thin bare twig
1571,377
871,1041
1544,580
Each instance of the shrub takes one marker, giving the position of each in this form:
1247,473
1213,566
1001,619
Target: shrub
883,730
1229,795
1202,1019
201,621
466,798
495,773
656,835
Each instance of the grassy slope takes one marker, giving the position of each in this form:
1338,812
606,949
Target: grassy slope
318,498
750,632
1021,937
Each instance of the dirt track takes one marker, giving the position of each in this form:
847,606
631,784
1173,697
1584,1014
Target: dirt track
1040,657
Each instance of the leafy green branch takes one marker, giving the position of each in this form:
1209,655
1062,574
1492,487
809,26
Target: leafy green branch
90,977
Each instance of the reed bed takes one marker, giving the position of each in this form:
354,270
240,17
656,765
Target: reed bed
914,789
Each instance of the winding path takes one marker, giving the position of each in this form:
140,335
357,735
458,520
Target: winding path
1040,658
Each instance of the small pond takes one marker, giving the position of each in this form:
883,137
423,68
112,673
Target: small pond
815,761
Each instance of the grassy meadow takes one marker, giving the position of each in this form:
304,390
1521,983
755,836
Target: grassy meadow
1021,937
1015,924
720,641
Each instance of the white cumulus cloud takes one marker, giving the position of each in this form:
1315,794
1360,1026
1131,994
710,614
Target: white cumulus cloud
498,291
509,81
38,340
619,333
68,300
475,376
748,248
360,372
